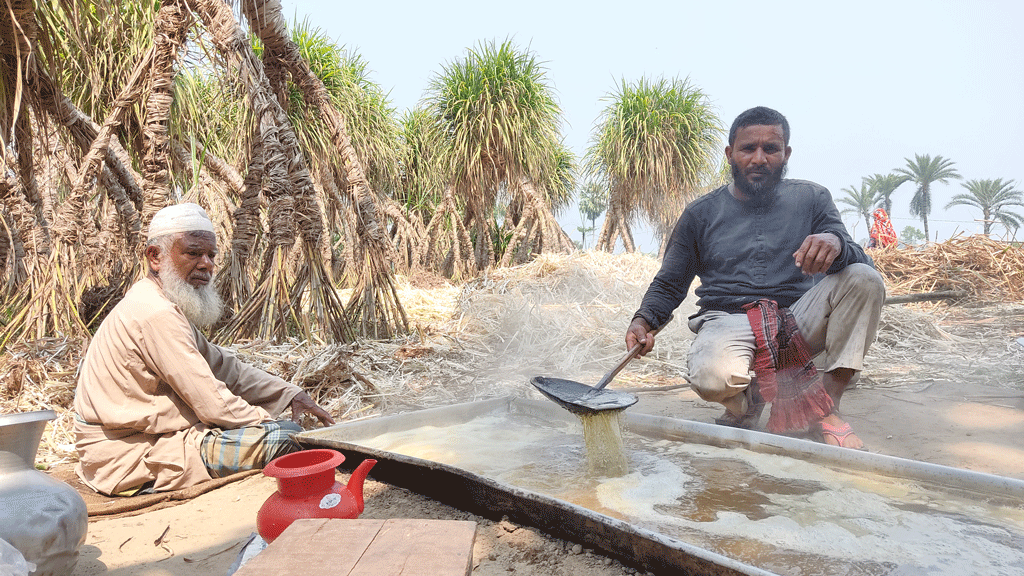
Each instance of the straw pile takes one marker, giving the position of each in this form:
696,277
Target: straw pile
922,343
40,375
982,267
915,348
563,316
566,316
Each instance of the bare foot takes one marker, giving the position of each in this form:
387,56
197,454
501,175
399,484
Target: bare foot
836,432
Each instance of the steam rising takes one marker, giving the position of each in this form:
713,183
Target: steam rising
565,317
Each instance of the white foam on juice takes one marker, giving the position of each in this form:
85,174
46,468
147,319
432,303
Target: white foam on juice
791,506
636,494
852,517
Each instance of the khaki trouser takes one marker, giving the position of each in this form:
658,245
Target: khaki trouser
838,318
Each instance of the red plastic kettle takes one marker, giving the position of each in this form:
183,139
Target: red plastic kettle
306,488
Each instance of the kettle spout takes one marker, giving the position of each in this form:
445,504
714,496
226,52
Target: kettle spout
355,482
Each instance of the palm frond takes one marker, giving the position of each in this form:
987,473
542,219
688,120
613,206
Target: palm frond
993,198
500,116
924,170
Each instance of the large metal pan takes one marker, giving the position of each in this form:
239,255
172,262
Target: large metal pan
582,399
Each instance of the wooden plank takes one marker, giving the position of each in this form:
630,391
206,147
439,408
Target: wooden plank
420,548
396,547
315,547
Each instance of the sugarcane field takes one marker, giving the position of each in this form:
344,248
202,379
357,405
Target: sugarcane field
264,312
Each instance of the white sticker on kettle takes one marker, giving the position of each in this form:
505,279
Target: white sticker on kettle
330,500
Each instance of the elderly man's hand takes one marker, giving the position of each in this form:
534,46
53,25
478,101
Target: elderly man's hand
303,404
817,253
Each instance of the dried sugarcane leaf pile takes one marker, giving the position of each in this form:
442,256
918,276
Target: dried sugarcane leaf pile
974,340
984,268
40,375
562,316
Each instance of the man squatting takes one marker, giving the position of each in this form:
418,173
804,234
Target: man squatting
765,237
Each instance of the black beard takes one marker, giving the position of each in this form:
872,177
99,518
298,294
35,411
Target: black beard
757,190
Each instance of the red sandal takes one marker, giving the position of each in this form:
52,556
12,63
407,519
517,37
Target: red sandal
840,433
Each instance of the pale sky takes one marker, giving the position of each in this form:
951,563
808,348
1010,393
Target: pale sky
864,84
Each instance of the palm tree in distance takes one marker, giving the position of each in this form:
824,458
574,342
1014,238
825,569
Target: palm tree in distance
861,201
884,185
992,197
593,203
373,304
656,142
924,170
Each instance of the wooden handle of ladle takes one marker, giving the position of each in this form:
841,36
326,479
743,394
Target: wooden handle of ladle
625,359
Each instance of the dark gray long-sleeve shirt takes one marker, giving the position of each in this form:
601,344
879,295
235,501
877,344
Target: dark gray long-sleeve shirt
742,251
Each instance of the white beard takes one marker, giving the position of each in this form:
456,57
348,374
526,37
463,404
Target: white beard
202,306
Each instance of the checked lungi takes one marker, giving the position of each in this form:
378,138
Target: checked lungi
226,452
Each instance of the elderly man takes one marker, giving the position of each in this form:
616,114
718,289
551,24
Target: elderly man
158,407
781,281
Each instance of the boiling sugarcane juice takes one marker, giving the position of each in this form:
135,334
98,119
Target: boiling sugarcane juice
606,455
786,514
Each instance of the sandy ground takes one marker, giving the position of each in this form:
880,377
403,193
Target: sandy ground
946,423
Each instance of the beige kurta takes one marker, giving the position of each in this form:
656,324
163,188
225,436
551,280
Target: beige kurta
150,387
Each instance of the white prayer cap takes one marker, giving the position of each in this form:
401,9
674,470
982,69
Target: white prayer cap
187,217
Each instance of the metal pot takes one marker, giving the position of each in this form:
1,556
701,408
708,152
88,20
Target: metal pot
45,519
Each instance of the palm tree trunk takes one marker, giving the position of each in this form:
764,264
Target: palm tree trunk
340,218
51,161
20,30
26,170
233,283
534,243
207,189
13,256
275,67
119,181
519,234
608,232
407,237
452,239
48,302
483,248
72,224
627,237
614,227
537,222
224,171
288,188
266,20
172,22
83,130
563,242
